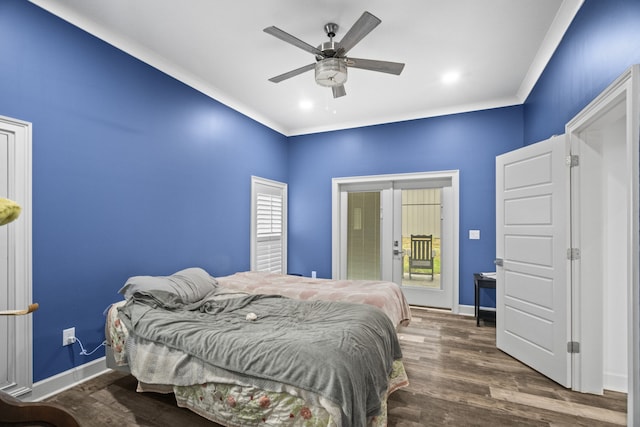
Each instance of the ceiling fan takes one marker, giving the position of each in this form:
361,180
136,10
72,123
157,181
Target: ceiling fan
331,63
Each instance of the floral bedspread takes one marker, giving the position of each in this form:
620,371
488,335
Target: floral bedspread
237,406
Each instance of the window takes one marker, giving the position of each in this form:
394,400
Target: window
268,225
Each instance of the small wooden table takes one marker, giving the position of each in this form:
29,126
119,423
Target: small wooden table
487,283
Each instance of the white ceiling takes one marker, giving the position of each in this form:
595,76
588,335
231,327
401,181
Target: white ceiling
498,47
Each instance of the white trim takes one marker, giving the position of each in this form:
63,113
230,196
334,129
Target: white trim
467,310
633,398
563,19
338,184
464,310
507,101
558,27
627,85
20,253
155,60
64,380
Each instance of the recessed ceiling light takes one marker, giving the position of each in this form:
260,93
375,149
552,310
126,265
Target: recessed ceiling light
451,77
305,104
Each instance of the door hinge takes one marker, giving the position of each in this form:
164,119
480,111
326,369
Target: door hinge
573,347
573,254
572,160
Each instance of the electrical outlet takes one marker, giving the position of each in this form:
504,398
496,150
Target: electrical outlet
68,336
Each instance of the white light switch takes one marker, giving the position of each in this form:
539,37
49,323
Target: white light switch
474,234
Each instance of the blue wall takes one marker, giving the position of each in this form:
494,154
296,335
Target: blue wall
468,142
601,43
136,173
133,173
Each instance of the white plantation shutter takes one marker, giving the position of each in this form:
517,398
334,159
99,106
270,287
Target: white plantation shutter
268,220
269,232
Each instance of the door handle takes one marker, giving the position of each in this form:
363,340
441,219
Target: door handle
498,261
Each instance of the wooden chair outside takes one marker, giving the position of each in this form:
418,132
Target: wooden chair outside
421,256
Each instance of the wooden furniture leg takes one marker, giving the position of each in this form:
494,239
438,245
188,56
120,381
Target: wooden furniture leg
13,411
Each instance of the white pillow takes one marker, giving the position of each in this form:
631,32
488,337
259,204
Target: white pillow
191,284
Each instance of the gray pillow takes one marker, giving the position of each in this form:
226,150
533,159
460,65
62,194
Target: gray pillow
191,284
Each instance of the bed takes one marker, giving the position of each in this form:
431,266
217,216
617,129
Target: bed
387,296
243,358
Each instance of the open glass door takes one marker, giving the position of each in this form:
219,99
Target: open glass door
419,227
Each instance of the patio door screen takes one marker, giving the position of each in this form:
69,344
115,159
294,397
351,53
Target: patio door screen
363,235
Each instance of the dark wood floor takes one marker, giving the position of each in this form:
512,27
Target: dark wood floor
458,378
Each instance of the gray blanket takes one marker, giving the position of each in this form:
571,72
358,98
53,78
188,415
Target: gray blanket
341,351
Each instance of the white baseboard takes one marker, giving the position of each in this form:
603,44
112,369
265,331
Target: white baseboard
470,310
64,380
462,310
615,382
467,310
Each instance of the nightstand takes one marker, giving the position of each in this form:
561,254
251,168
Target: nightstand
486,283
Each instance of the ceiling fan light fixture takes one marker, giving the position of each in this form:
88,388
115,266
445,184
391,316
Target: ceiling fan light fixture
331,72
331,60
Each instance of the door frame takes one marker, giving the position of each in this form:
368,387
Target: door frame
448,177
585,368
20,254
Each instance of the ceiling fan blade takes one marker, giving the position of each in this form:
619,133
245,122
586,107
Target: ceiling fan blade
338,91
277,32
373,65
358,31
292,73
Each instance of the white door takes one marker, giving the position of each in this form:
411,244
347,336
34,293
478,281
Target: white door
423,211
15,258
532,199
